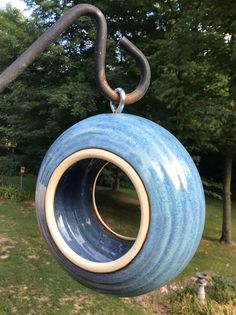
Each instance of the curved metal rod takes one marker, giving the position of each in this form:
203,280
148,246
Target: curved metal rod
35,50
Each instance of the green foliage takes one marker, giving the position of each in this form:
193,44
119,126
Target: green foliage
28,183
108,175
222,289
191,52
186,302
220,297
106,178
10,187
9,165
192,79
49,97
13,193
212,188
14,35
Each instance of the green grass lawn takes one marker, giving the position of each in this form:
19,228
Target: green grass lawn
211,257
31,282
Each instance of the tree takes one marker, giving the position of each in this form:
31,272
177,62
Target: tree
116,184
15,35
48,98
225,22
196,83
59,89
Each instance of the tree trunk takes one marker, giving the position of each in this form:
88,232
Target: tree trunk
116,185
226,223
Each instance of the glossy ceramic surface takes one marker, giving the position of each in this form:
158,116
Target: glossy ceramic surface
73,221
173,186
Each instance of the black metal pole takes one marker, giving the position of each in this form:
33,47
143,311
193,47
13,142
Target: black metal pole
35,50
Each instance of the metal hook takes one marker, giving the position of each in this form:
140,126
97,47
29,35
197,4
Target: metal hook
35,50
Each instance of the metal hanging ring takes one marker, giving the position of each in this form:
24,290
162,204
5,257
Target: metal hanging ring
119,109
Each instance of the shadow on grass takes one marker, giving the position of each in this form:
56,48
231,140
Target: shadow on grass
119,211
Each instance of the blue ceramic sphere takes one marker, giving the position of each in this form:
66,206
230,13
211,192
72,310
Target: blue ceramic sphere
169,190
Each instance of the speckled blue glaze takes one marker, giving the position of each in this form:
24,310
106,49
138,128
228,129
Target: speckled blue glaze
174,189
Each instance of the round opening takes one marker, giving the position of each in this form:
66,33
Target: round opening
116,202
72,217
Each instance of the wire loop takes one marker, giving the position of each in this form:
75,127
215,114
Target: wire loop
119,109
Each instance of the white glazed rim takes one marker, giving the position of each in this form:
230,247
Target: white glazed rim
51,219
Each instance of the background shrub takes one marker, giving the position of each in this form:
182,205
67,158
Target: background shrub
13,193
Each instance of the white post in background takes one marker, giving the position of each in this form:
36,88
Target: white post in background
22,172
201,281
